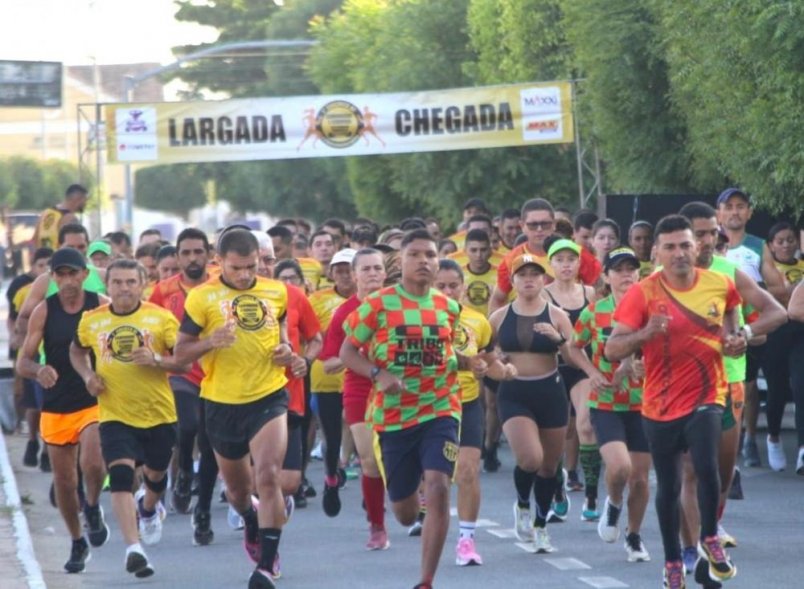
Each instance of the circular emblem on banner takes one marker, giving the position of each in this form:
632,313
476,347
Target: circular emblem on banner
478,293
339,123
123,341
249,312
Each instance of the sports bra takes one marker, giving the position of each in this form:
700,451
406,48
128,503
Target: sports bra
516,333
573,313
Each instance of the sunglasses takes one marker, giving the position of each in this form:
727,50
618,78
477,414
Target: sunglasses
539,225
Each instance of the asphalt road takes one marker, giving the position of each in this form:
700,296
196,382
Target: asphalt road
319,552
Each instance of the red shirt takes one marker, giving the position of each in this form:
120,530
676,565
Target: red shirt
354,385
684,367
302,325
588,273
170,294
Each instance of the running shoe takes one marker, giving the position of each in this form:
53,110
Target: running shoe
674,575
751,453
331,501
95,525
44,461
30,458
776,457
182,495
736,488
299,498
251,544
726,539
343,476
318,452
276,569
137,563
491,463
559,509
690,556
309,490
573,483
541,541
608,526
465,553
290,506
635,548
233,519
261,579
151,527
416,529
202,527
523,523
720,566
378,539
589,513
79,556
800,462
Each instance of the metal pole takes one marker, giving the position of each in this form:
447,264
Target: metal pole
98,170
578,149
129,188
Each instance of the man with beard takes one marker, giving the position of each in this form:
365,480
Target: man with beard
54,218
193,255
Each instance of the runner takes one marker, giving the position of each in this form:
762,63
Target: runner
54,218
369,274
193,256
235,324
130,340
408,331
533,408
69,412
327,388
685,318
473,338
167,264
615,410
605,237
568,294
481,274
640,239
322,249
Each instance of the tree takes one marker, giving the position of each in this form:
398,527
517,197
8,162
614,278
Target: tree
8,187
176,188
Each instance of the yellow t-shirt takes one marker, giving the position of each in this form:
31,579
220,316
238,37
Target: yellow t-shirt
243,372
462,258
793,273
472,336
645,269
478,289
459,238
312,271
139,396
20,296
47,228
148,291
324,303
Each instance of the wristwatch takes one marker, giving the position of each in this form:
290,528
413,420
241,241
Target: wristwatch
374,373
158,359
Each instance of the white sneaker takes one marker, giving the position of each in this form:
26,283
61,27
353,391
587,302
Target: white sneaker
523,523
608,526
151,528
726,539
234,520
635,548
541,541
776,458
800,462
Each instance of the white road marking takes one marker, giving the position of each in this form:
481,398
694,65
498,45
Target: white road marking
567,564
507,534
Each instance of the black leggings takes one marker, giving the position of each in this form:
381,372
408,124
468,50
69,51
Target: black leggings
330,415
699,433
783,366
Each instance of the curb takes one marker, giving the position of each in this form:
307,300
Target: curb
25,551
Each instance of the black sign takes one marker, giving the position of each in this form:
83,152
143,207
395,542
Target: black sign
30,83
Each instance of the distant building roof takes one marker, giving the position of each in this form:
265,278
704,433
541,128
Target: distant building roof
111,80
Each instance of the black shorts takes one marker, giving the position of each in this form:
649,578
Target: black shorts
571,376
151,446
544,400
407,453
753,362
619,426
293,454
230,427
188,402
472,425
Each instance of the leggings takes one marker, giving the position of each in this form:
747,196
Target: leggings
207,465
782,363
330,414
699,433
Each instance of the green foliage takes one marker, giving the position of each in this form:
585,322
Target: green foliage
176,188
27,183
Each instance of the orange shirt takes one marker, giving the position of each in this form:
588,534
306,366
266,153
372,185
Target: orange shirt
303,326
684,368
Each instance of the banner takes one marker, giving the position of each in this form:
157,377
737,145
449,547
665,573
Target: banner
332,126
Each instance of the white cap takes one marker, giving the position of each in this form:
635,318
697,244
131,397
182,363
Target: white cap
344,256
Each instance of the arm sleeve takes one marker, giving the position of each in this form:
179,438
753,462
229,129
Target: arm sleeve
504,277
632,310
484,343
733,298
309,325
170,330
82,338
193,323
361,324
590,268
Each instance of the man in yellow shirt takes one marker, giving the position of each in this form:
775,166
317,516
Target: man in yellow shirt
130,340
54,218
235,326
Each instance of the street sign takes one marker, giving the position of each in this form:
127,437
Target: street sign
30,83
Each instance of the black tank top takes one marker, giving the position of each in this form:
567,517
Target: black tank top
69,393
516,333
573,313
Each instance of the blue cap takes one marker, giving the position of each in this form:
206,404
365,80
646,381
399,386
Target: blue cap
729,192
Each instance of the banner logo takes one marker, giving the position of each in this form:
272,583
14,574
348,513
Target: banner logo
136,134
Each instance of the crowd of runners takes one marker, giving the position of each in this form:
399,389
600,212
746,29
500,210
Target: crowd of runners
157,371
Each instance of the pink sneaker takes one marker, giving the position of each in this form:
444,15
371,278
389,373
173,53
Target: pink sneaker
465,554
276,570
378,539
252,548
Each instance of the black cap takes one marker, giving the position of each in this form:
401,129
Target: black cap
69,258
729,192
475,203
616,256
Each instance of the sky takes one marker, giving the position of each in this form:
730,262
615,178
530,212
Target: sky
113,31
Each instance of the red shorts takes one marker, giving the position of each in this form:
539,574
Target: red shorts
354,408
